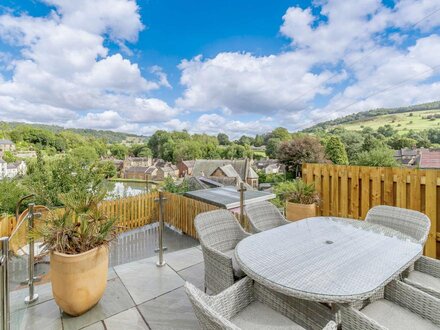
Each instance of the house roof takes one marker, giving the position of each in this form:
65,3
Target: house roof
151,170
229,171
205,167
429,159
252,174
228,197
12,166
188,163
167,169
2,161
6,142
137,169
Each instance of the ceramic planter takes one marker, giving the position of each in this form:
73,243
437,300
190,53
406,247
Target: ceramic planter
295,211
79,280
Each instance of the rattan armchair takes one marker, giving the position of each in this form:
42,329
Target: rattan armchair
263,216
400,306
219,232
425,274
248,305
409,222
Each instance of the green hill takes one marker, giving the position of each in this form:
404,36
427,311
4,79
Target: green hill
416,118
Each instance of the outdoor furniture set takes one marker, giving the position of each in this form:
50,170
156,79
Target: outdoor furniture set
316,273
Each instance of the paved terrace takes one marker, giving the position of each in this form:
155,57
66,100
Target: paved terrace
139,295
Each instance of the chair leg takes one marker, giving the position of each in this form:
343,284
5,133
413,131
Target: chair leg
205,288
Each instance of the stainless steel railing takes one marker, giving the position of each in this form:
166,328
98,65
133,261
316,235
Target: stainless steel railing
4,275
161,262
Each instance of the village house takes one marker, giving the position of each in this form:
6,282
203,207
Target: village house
11,170
136,173
227,172
168,170
429,159
185,167
269,166
7,145
418,157
137,162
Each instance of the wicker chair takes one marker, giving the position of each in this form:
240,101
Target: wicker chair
248,305
263,216
219,232
412,223
399,307
425,275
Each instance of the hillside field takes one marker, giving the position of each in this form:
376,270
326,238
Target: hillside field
403,122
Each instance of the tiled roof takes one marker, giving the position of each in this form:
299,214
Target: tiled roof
6,142
137,169
430,159
229,171
205,167
188,163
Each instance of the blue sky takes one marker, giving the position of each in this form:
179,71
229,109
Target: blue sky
240,67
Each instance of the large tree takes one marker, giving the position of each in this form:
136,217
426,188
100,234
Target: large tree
380,156
223,139
272,147
304,149
335,151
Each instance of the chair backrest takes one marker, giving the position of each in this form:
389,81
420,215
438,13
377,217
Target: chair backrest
409,222
263,216
205,310
218,229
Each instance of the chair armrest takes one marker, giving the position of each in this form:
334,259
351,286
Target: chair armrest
414,299
428,265
330,326
353,319
217,256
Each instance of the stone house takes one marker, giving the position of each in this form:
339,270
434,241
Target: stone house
7,145
185,167
168,170
136,173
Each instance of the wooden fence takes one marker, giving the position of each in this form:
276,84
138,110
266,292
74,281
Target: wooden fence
350,191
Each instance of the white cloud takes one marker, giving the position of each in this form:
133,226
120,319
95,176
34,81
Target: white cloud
66,69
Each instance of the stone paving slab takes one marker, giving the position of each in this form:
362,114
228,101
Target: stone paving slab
115,300
145,281
157,291
184,258
170,311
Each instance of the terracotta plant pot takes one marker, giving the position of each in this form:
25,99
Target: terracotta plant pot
295,211
79,280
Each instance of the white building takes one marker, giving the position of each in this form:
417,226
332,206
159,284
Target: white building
12,170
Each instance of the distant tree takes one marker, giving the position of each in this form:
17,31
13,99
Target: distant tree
235,151
272,147
140,150
370,142
399,142
353,144
421,138
259,140
381,156
186,150
223,139
245,140
119,151
433,135
107,169
280,133
84,154
157,142
9,157
386,130
335,151
306,149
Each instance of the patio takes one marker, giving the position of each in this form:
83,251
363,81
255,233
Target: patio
139,294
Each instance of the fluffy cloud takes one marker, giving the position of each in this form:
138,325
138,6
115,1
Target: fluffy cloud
66,70
345,59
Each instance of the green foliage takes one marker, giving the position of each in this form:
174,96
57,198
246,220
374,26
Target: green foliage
223,139
170,186
272,147
280,133
140,150
107,169
84,154
82,226
380,156
119,151
304,149
335,151
234,151
273,177
353,142
297,191
433,135
399,142
11,191
9,157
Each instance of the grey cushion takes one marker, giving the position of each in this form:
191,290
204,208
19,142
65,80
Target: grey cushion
259,316
237,270
393,316
425,280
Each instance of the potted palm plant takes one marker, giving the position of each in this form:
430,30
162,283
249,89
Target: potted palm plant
300,199
77,239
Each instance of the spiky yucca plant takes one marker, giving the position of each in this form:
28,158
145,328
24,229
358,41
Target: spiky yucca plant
297,191
81,226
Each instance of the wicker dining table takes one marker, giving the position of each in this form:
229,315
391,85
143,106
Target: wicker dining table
326,259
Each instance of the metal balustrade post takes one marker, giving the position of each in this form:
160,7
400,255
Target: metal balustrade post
31,262
161,248
241,191
4,260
